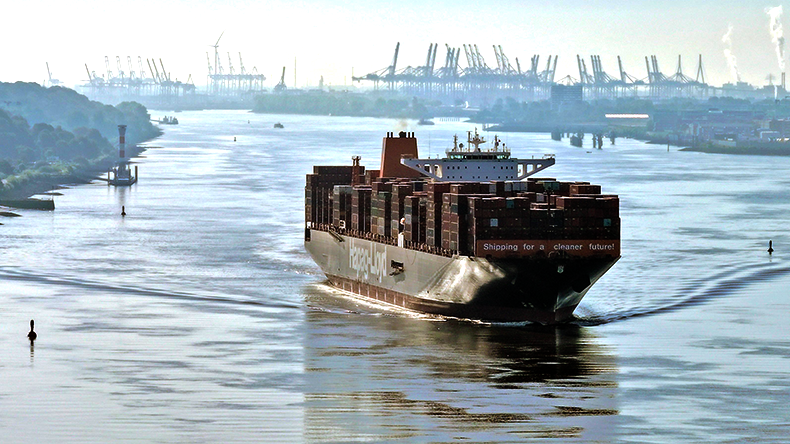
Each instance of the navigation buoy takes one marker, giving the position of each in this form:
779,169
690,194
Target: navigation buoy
234,138
32,335
123,211
770,247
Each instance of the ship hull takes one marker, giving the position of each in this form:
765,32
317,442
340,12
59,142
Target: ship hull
541,289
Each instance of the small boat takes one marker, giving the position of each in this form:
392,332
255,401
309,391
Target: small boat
278,125
168,120
425,122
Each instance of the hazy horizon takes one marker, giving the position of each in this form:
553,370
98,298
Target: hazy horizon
331,41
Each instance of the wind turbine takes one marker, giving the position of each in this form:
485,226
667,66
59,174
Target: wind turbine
216,52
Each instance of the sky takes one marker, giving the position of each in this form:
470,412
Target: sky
333,38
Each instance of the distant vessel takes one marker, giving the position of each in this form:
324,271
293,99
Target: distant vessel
278,125
425,122
166,120
465,236
121,174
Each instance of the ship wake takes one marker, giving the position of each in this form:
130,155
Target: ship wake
697,292
16,274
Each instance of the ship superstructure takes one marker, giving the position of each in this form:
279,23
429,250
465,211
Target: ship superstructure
473,163
497,249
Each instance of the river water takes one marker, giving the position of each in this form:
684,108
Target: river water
198,317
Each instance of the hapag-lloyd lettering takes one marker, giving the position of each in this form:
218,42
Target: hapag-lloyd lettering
367,262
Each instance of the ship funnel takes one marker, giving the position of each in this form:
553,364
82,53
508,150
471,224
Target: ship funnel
393,149
122,141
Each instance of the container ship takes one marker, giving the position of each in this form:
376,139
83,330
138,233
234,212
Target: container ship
474,235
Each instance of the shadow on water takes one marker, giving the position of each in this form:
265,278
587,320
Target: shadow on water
388,377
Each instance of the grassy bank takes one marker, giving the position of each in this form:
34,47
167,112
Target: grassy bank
57,175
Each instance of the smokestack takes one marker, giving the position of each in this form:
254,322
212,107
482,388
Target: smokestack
122,141
783,80
393,149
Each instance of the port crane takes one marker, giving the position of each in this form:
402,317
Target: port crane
280,87
52,82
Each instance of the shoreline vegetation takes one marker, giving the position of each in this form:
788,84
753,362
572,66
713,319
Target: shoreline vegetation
349,104
68,142
509,115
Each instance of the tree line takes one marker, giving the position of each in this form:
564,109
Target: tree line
57,131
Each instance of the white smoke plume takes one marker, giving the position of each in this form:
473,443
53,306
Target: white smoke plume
732,63
777,34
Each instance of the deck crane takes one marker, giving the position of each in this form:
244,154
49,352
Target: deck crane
281,86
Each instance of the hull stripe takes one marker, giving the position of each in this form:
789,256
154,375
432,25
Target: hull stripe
464,311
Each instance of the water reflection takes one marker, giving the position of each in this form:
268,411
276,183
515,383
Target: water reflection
384,376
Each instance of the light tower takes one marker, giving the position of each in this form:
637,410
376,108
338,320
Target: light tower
120,174
122,143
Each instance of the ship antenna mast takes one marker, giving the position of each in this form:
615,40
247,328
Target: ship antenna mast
476,141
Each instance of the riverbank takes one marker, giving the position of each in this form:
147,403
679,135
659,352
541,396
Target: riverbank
779,150
80,176
548,127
